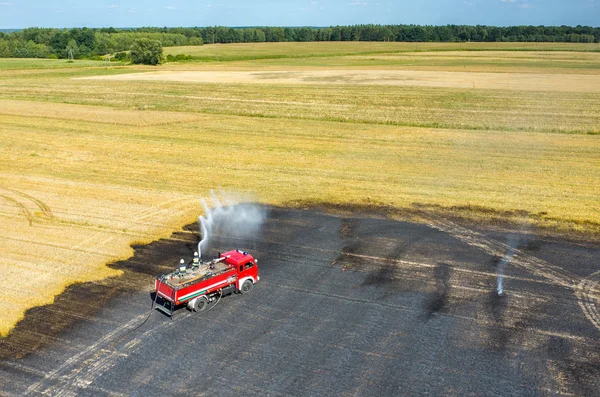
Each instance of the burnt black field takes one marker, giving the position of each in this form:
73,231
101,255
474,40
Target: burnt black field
347,305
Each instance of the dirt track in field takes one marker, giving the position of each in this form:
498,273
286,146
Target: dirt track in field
346,305
507,81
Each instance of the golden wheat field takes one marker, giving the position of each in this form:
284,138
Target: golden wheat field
95,158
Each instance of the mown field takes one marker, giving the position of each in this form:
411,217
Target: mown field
89,166
243,51
480,57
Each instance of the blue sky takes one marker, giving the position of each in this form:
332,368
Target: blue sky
134,13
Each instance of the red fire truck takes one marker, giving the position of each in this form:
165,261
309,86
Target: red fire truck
203,285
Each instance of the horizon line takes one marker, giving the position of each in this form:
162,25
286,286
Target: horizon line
287,26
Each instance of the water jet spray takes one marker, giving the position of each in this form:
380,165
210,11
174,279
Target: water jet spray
226,217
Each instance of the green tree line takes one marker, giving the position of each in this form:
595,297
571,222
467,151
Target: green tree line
405,33
87,43
81,43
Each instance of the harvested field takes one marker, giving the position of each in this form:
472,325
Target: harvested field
299,50
460,57
58,232
282,161
498,81
95,159
94,114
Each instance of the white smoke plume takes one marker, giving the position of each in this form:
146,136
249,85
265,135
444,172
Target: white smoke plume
226,215
512,243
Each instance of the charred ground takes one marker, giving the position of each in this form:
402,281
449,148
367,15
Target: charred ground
347,304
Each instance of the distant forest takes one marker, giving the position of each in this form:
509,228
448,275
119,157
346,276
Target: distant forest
91,43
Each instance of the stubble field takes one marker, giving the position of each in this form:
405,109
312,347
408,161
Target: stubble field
91,165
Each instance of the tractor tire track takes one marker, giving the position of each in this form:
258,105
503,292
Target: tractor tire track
81,374
86,371
82,356
92,243
80,371
588,297
43,207
40,373
165,205
21,207
582,288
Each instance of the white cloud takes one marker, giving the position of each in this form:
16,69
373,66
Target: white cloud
170,7
132,11
359,3
7,4
113,6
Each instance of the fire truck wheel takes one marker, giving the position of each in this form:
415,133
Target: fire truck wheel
246,287
200,304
